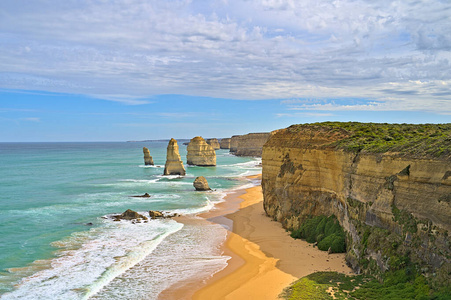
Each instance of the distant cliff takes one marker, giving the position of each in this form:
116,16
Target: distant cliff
388,185
250,144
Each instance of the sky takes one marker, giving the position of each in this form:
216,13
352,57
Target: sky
110,70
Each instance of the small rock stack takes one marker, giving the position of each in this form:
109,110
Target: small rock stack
148,160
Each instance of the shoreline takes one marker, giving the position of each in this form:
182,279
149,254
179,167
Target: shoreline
264,258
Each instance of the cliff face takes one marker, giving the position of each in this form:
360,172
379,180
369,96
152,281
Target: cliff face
174,164
225,143
148,160
405,197
250,144
200,153
213,143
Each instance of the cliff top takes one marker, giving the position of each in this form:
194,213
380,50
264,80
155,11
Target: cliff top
425,140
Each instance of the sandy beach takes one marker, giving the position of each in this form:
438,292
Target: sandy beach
264,258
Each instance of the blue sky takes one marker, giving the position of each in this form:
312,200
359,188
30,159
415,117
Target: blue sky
141,69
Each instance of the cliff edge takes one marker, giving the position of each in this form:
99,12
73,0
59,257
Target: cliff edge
389,186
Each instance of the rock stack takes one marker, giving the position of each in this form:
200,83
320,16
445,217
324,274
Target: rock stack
174,164
224,143
234,143
201,184
200,153
213,143
148,160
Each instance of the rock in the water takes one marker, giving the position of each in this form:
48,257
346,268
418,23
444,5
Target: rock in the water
224,143
146,195
213,143
200,153
129,215
234,143
201,184
174,164
155,214
148,160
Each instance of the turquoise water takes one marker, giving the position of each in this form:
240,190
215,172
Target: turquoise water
49,192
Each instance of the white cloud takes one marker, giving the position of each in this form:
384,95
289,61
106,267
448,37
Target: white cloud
397,53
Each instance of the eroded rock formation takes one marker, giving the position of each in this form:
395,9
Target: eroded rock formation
129,215
201,184
174,164
200,153
234,143
224,143
148,160
250,144
381,199
213,143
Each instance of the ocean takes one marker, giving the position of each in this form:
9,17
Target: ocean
57,242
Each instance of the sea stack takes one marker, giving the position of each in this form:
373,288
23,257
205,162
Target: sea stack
200,153
174,164
224,143
148,160
213,143
234,143
201,184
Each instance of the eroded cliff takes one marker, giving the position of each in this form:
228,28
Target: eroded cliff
391,194
250,144
199,153
214,143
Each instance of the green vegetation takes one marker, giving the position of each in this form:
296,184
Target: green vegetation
432,140
326,231
396,285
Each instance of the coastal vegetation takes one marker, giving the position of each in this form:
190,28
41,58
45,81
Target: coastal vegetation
325,231
432,140
395,285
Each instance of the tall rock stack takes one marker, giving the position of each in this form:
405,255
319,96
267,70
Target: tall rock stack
234,143
213,143
174,164
224,143
200,153
148,160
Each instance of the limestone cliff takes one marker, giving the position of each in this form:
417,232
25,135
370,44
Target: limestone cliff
214,143
174,164
234,143
200,153
224,143
390,194
148,160
251,144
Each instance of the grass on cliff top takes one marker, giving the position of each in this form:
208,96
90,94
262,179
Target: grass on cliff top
432,140
398,285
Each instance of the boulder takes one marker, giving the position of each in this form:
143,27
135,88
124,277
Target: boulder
154,214
224,143
213,143
200,153
129,215
174,164
148,160
201,184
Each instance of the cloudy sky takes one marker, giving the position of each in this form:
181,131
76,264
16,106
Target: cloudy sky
104,70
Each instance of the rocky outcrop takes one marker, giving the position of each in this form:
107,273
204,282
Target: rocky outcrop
146,195
174,164
387,202
251,144
224,143
129,215
200,153
148,160
213,143
201,184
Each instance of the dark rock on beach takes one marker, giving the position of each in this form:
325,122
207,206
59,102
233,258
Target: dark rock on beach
129,215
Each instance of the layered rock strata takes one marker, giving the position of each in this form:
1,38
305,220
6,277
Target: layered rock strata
213,143
251,144
200,153
224,143
386,202
201,184
174,164
234,143
148,160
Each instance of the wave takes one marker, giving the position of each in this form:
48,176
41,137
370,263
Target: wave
90,260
